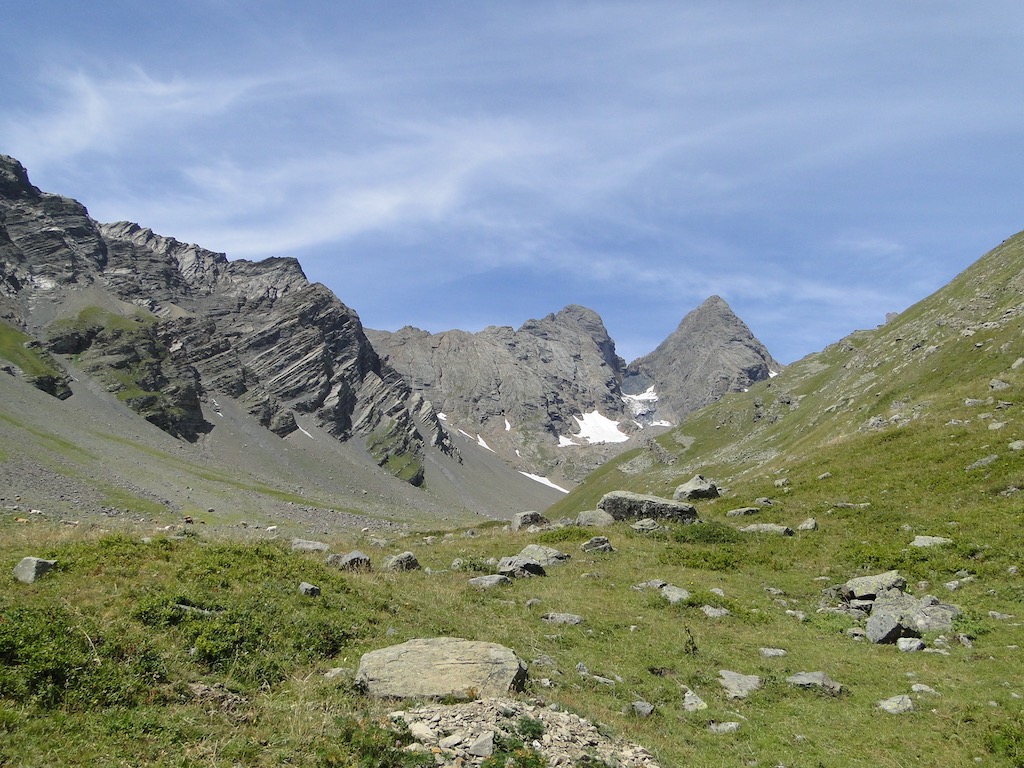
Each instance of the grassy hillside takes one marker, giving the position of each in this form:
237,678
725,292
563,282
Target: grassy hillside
189,649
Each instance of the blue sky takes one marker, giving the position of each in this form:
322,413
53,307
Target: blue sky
464,164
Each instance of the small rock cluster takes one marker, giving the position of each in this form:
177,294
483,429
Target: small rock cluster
890,614
463,735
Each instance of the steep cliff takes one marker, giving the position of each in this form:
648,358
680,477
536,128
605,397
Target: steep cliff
165,325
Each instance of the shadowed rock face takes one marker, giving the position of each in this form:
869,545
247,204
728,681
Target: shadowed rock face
710,354
256,331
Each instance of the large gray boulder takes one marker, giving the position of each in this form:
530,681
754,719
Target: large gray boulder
697,487
623,505
31,568
895,615
441,667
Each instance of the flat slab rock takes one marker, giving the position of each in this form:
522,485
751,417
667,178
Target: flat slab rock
624,505
738,686
441,667
458,734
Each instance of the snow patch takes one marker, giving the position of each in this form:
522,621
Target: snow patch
443,416
508,427
564,441
482,444
307,434
543,481
772,374
595,428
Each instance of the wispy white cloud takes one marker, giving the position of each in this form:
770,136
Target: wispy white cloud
635,152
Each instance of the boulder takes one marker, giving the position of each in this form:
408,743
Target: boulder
309,590
810,524
896,615
673,594
526,519
404,561
867,587
897,705
596,518
624,505
31,568
353,561
697,487
546,556
441,667
520,567
691,701
738,686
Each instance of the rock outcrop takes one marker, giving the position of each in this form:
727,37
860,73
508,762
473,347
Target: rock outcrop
441,667
167,325
710,354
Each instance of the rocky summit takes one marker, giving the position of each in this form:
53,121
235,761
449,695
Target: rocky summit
555,395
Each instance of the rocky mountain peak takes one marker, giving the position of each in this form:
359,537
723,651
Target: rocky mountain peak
14,179
711,352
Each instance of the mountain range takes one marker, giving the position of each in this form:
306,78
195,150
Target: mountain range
208,350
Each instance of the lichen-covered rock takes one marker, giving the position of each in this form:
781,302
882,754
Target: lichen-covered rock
441,667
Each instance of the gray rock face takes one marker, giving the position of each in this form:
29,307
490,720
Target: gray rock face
258,332
441,667
743,512
543,376
538,377
31,568
623,505
710,354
